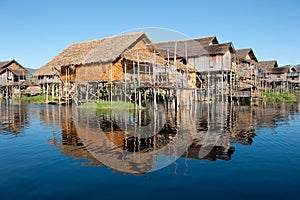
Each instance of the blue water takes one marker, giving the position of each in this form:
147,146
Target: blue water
33,166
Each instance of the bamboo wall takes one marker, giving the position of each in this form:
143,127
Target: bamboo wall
93,72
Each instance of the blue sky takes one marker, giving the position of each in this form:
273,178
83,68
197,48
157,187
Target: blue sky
34,31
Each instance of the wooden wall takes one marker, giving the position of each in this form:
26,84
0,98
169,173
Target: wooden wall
93,72
3,78
9,74
99,72
212,63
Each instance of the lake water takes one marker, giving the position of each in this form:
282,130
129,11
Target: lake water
210,150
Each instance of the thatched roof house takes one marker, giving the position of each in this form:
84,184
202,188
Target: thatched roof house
246,64
96,60
198,53
105,50
294,75
186,48
246,55
280,70
295,69
11,72
267,66
205,56
219,49
208,40
279,74
109,59
15,67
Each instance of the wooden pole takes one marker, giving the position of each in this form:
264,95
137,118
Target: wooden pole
168,67
222,81
139,83
134,83
53,90
59,94
47,93
208,85
111,74
231,85
87,93
251,81
186,58
125,88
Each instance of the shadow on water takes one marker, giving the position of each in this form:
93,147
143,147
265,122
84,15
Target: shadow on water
148,140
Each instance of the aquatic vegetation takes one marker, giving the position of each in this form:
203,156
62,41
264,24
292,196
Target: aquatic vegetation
39,99
108,106
284,97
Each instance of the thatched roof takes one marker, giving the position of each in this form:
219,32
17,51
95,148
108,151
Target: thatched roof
182,48
220,49
143,56
183,67
5,63
209,40
14,67
280,70
105,50
193,48
241,54
139,55
267,65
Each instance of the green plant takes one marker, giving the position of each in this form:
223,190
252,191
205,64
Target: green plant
278,97
39,99
108,107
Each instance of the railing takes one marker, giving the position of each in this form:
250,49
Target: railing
49,80
242,94
293,74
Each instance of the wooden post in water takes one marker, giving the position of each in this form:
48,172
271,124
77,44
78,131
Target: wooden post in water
154,98
47,93
222,93
59,95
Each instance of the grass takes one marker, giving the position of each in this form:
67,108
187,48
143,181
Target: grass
108,107
284,97
39,99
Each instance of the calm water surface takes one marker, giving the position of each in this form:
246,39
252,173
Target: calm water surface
214,150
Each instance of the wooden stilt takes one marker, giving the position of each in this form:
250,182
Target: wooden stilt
47,99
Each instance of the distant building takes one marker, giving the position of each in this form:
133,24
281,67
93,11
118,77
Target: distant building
12,73
264,69
294,77
14,78
246,71
213,62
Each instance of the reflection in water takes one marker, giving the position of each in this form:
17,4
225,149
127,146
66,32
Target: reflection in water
149,140
138,150
13,118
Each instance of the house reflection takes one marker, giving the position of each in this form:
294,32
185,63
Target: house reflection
208,132
13,118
